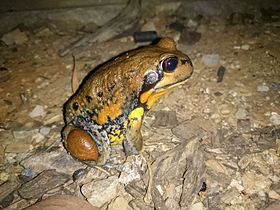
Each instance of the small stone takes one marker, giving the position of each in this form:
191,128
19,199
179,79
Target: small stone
102,191
216,166
254,182
18,147
22,133
263,88
165,119
14,37
273,195
190,37
119,203
236,184
44,32
6,137
245,47
131,170
275,118
197,206
38,111
3,177
27,173
211,60
226,109
45,131
241,114
230,196
243,125
171,203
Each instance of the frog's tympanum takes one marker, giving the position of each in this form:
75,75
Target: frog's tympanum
109,106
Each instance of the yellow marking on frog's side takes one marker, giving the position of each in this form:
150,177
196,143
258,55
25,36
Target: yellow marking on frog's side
116,136
136,114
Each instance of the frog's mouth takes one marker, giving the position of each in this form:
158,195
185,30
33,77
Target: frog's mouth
171,85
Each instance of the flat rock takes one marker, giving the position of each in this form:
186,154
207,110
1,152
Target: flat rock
211,60
254,182
14,37
57,159
131,170
44,182
102,191
165,119
38,111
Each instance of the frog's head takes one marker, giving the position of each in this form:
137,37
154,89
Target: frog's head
170,69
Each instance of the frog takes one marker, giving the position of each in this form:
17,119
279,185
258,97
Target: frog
110,104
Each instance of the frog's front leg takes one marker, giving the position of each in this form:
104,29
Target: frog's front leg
133,144
81,145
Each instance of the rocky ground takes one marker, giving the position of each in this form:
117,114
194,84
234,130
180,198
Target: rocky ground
214,143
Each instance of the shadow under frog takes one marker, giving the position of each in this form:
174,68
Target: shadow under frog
109,106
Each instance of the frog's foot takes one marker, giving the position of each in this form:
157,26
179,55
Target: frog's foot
80,144
133,144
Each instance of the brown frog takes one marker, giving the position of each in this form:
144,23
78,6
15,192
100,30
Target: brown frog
110,104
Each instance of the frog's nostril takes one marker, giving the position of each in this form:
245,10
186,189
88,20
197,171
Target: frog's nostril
184,61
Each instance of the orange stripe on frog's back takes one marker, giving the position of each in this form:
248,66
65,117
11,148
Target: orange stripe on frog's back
112,110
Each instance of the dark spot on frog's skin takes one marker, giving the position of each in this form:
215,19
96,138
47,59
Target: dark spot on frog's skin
75,106
183,61
89,99
89,113
112,86
100,94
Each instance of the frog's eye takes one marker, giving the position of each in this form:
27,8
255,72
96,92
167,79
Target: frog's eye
169,64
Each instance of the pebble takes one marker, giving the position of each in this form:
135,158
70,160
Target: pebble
197,206
119,203
275,118
19,147
241,114
45,131
226,109
245,47
108,188
262,88
14,37
38,111
255,182
216,166
131,171
211,60
44,32
24,134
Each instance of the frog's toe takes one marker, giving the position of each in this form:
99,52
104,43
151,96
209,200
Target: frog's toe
80,144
